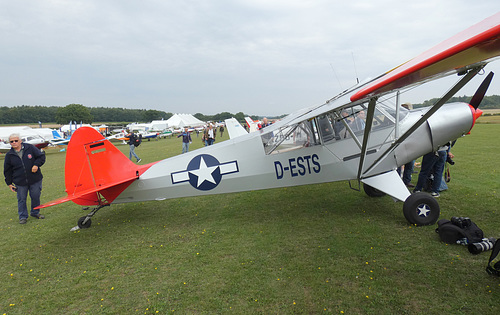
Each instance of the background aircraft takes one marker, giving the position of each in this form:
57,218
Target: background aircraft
39,137
361,135
253,125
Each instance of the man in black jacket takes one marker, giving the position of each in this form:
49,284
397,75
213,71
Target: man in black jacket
22,174
131,144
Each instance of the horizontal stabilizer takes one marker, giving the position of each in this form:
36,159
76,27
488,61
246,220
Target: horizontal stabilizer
468,49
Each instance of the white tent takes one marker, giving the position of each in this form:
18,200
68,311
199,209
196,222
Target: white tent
184,120
159,125
72,127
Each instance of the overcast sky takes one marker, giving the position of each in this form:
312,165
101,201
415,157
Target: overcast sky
263,57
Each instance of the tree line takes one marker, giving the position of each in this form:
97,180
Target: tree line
488,102
77,112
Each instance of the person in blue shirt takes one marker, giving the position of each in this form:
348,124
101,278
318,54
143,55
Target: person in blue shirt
186,140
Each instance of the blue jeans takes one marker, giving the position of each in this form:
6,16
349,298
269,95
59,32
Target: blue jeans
185,147
132,148
407,172
35,191
435,164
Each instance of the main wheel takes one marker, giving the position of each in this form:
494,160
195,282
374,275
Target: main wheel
421,209
372,192
83,225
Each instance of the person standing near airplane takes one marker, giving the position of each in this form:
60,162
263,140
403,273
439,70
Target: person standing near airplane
186,140
131,143
432,163
264,123
210,135
23,174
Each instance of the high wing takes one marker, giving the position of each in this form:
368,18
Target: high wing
469,49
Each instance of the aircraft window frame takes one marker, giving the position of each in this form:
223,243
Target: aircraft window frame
384,117
301,135
326,129
312,129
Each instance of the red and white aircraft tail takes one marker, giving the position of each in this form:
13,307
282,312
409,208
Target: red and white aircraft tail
253,125
96,172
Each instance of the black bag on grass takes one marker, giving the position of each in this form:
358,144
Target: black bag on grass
457,229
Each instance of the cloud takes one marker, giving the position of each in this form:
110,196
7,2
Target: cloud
259,57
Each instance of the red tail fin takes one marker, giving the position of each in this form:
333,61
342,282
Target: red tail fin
96,172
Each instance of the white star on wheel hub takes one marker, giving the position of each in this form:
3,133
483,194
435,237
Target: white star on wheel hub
423,210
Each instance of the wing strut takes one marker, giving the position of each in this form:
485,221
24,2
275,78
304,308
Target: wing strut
460,84
368,128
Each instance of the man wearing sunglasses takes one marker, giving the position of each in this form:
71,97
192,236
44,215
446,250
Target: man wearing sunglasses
22,174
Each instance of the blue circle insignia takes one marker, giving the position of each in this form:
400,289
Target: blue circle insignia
204,172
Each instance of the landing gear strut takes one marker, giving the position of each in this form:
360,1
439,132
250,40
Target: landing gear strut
373,192
421,209
85,221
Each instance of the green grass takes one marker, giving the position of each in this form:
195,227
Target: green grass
311,249
489,119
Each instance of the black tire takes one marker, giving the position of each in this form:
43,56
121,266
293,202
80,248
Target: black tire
421,209
87,224
372,192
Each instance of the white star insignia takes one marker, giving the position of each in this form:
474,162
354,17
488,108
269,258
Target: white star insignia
423,210
204,172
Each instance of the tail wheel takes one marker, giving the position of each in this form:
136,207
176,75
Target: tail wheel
84,224
421,209
372,192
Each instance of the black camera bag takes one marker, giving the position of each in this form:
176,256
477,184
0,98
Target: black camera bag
451,233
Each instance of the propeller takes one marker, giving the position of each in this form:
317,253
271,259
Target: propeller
481,91
478,97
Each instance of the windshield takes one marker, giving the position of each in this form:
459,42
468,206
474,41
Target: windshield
336,125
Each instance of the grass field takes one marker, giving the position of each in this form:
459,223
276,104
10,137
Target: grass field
492,118
302,250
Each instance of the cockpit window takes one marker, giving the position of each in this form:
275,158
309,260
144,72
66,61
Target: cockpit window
353,119
293,137
335,125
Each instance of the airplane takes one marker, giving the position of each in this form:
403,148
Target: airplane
361,136
253,125
165,133
57,139
28,135
149,135
121,136
34,139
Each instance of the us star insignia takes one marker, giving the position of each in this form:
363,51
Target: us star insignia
204,172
